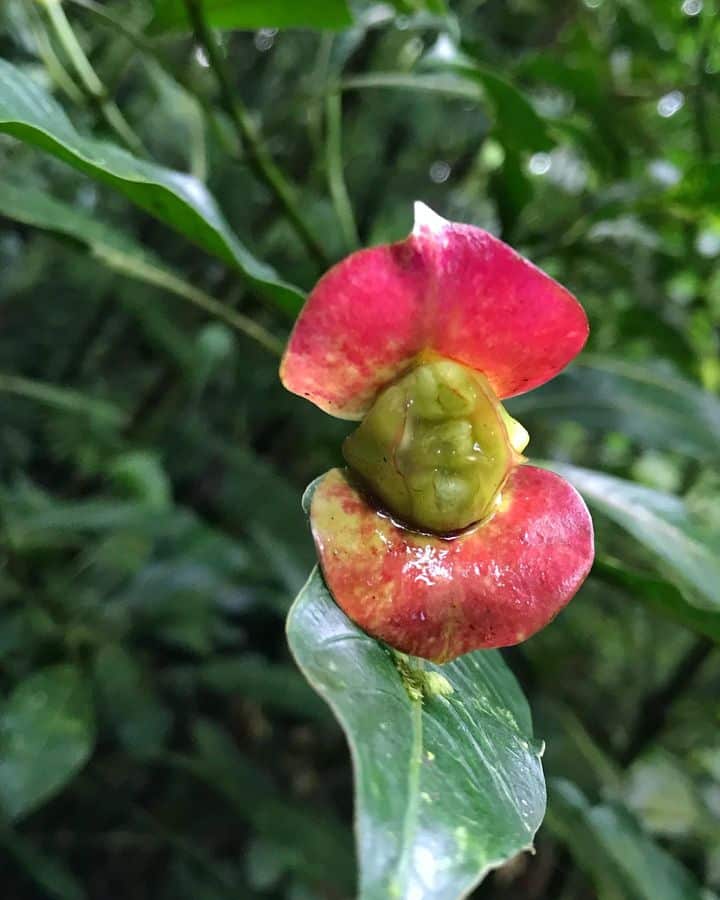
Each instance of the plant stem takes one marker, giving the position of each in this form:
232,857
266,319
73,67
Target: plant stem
160,277
60,398
50,59
261,161
334,162
89,78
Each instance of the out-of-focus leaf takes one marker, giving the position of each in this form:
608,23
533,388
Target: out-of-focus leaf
448,777
517,123
662,793
47,872
437,7
29,527
129,702
652,406
609,845
687,549
63,398
700,186
511,190
267,507
140,476
122,254
280,686
46,736
331,14
433,84
660,596
29,113
320,848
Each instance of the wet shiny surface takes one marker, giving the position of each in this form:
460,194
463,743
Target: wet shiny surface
434,449
448,780
491,586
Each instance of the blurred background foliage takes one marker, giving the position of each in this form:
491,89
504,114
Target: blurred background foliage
155,737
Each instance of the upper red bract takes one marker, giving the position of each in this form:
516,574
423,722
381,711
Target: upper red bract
454,289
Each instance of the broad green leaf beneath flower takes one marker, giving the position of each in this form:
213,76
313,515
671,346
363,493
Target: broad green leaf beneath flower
250,14
609,845
448,781
687,547
651,405
30,114
46,736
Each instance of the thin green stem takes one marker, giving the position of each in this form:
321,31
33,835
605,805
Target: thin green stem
50,59
89,78
160,277
258,156
60,398
334,162
117,24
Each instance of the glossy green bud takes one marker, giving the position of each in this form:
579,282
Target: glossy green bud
436,447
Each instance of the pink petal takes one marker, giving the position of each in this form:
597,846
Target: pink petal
493,586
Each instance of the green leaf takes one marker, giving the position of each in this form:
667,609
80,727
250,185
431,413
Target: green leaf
659,596
516,122
447,774
46,871
278,686
650,404
609,845
46,737
250,14
63,398
133,708
686,547
121,253
30,114
449,85
316,845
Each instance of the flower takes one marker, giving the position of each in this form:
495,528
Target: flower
440,539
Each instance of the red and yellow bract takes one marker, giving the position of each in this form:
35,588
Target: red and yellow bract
457,293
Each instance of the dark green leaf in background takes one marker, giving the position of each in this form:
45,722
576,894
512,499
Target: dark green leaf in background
46,736
448,777
136,714
315,845
688,549
624,862
29,113
119,252
660,596
48,873
332,14
650,404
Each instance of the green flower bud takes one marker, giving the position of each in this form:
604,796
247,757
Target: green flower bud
436,447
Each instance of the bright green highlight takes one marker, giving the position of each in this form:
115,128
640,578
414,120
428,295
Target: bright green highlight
436,447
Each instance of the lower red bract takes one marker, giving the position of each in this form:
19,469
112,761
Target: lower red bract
493,586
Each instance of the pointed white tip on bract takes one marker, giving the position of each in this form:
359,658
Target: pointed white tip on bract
427,220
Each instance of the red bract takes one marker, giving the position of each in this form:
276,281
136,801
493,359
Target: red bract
371,342
493,586
454,289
